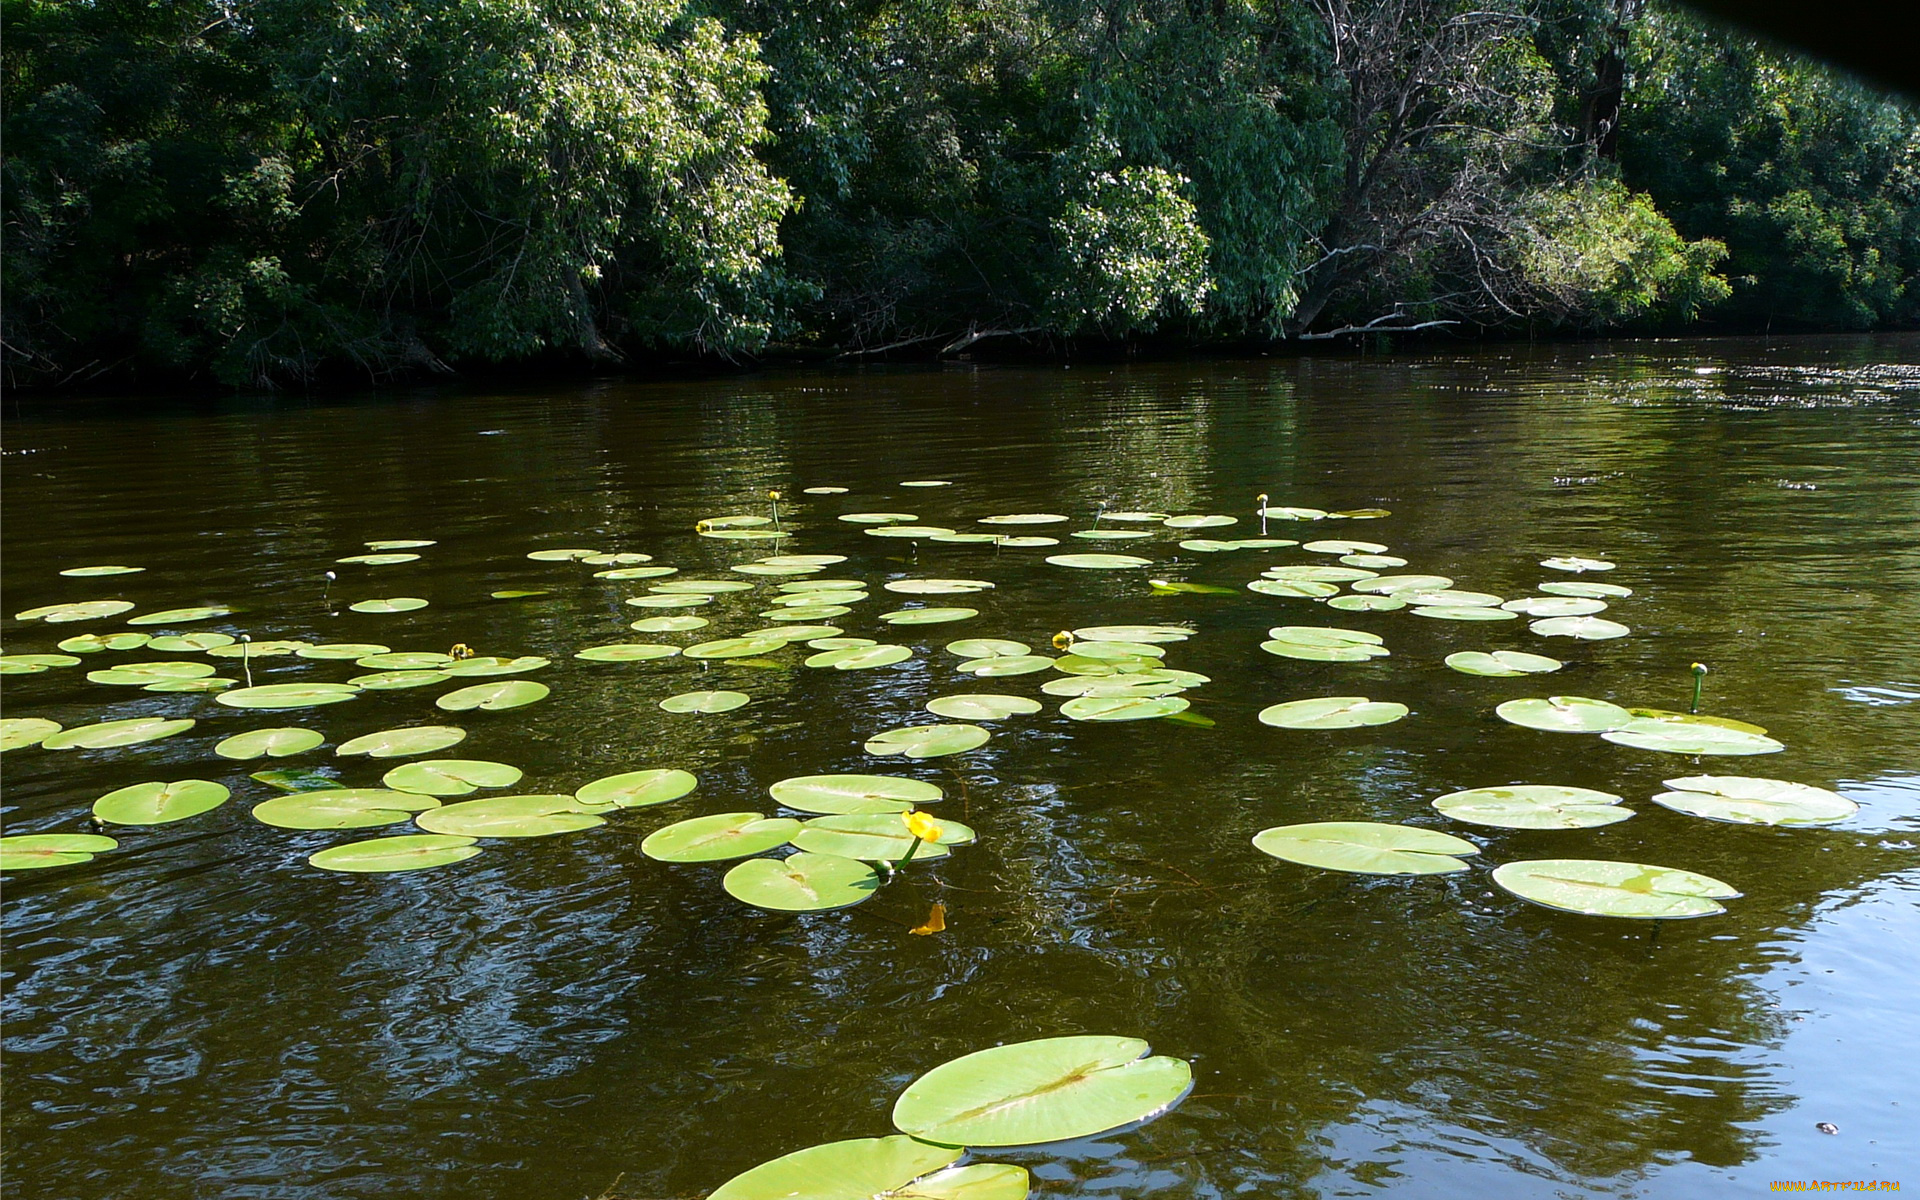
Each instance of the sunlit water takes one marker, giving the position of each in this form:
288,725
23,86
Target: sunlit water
201,1014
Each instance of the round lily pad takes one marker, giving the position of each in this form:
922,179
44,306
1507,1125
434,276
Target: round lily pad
143,673
1676,737
1291,512
1534,806
908,531
981,706
404,742
860,1169
85,610
1111,685
1573,562
633,573
264,743
705,587
510,817
33,664
1048,1090
803,560
1555,606
926,483
704,702
796,633
824,491
486,665
881,518
1199,521
627,652
807,613
638,789
1332,712
1614,889
109,734
1023,519
936,587
680,624
1747,800
91,572
17,733
494,697
1110,535
406,852
986,648
927,741
1367,847
93,643
735,647
181,616
1099,562
341,808
668,601
400,544
1581,587
853,793
159,803
1147,634
288,695
296,779
1299,589
1344,546
379,560
450,776
1587,629
27,851
1319,574
928,616
1017,543
1006,664
1318,644
409,660
1143,518
1116,651
270,648
1366,603
395,680
1451,598
1565,714
860,658
878,837
1122,708
1388,585
719,837
1373,562
187,643
623,559
1502,663
392,604
561,555
802,882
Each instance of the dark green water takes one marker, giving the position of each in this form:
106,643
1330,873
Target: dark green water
201,1014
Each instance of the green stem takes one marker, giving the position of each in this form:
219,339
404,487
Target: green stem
911,851
1699,679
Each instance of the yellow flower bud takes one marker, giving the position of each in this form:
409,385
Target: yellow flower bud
923,826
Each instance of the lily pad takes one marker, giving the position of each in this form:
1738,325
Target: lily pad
719,837
627,652
1006,664
17,733
406,852
1388,585
379,560
1464,612
1112,685
679,624
1332,712
1556,606
1367,847
186,643
1199,521
1747,800
878,837
981,706
181,616
1048,1090
296,779
1144,518
85,610
1580,587
737,647
1298,589
394,680
1110,535
93,643
1675,737
1099,562
510,817
1318,644
561,555
264,743
1450,598
1565,714
1502,663
803,882
926,483
288,695
400,544
624,559
494,697
936,587
632,573
404,742
865,1168
393,604
824,491
33,664
927,741
1344,546
808,612
704,702
159,803
1115,651
1573,562
1614,889
987,648
853,793
1534,806
411,660
27,851
860,658
450,776
908,531
1373,561
803,560
341,808
928,616
1366,603
1019,543
143,673
1122,708
705,587
1211,545
669,601
638,789
1320,574
799,633
1587,629
91,572
110,734
1149,634
882,518
1289,512
208,683
270,648
1024,519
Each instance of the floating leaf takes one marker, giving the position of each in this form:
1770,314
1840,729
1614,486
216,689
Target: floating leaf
824,491
1502,663
510,817
494,697
861,1169
1565,714
109,734
159,803
1199,521
625,559
1148,634
809,612
743,521
17,733
757,568
1048,1090
679,624
289,695
879,837
406,852
1344,546
560,555
1110,535
1464,612
296,779
486,665
1450,598
1580,587
179,643
837,643
1747,800
634,573
981,706
404,742
1080,664
928,616
638,789
853,793
927,741
1366,603
1362,514
799,633
272,648
379,560
393,680
1555,606
1575,563
1145,518
263,743
908,531
926,483
1373,561
1388,585
1282,512
93,643
341,808
1023,519
1680,718
210,683
416,660
86,610
627,652
181,616
882,518
91,572
1589,629
736,647
986,648
719,837
1332,712
450,776
1293,588
1116,651
1112,685
1319,574
1318,644
27,851
1025,542
860,658
142,673
33,664
1122,708
1099,562
1674,737
705,587
1006,664
704,702
803,560
1367,847
936,587
395,604
400,544
803,882
1614,889
1534,806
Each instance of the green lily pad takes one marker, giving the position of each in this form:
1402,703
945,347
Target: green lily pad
1018,543
1565,714
624,559
1555,606
27,851
1290,512
296,779
93,643
1297,589
802,882
634,573
638,789
561,555
882,518
927,741
209,683
510,817
379,560
838,643
264,743
1674,737
1146,634
494,697
33,664
110,734
1367,847
85,610
1319,574
797,633
1024,519
341,808
159,803
1006,664
1373,562
760,568
187,643
824,585
1122,708
404,742
271,648
1502,663
1388,585
704,702
825,491
1366,603
853,793
1362,514
1332,712
680,624
1680,718
1319,644
928,616
1081,664
936,587
1572,562
486,665
861,1169
1614,889
1580,587
1344,546
1115,651
1534,806
1111,685
17,733
288,695
1211,545
92,572
450,776
627,652
394,680
1451,598
1464,612
400,544
735,647
981,706
1747,800
908,531
392,604
181,616
926,483
1143,518
803,560
409,660
860,658
1099,562
878,837
143,673
1048,1090
1110,535
704,587
719,837
987,648
807,613
406,852
1199,521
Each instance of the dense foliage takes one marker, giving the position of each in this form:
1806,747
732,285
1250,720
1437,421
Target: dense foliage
262,191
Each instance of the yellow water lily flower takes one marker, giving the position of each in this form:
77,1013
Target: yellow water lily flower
923,826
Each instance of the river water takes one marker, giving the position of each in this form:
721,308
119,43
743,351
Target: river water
202,1014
